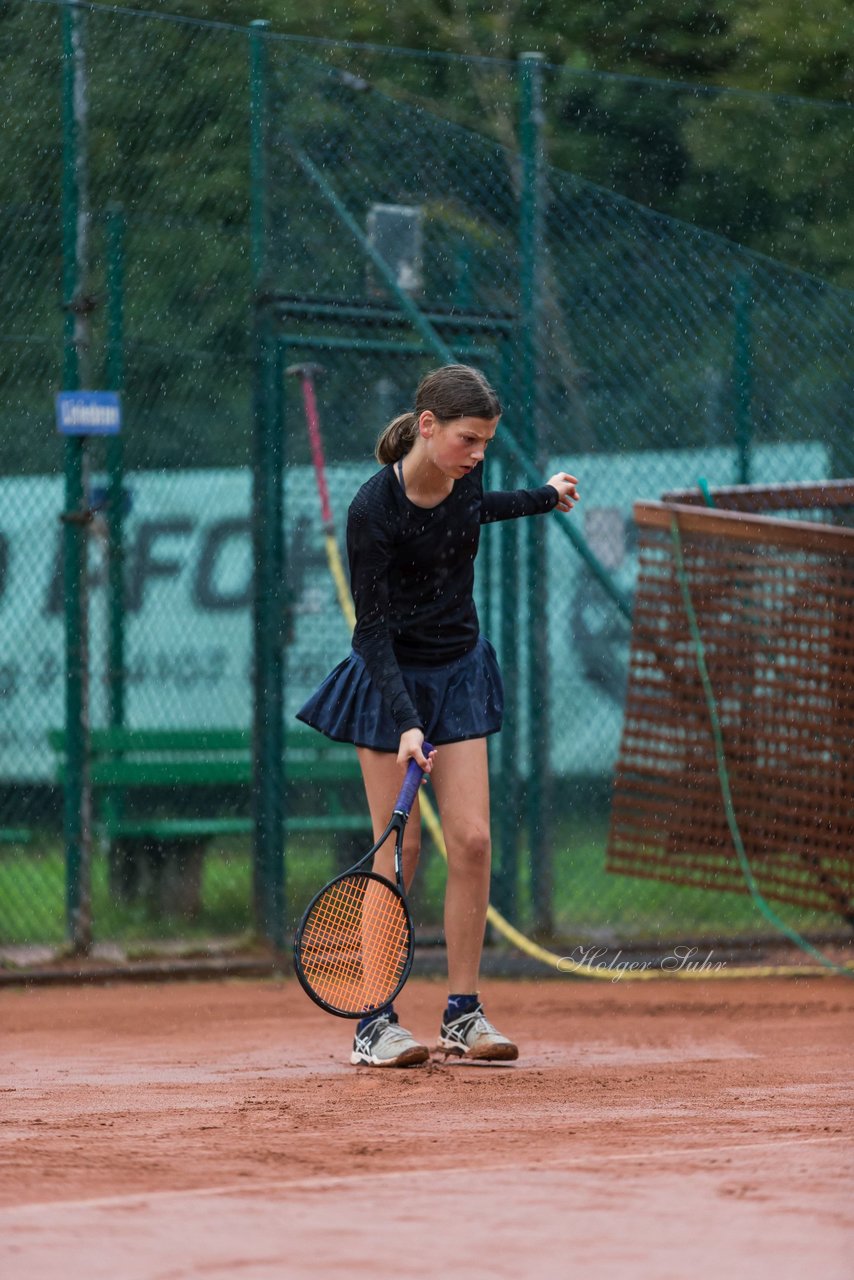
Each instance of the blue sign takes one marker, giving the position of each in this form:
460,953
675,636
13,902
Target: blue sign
88,413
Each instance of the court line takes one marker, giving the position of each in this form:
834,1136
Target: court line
324,1182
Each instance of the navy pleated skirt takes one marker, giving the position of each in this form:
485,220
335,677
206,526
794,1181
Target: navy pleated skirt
462,700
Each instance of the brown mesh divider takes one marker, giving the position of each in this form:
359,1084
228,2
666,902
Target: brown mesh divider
774,600
827,499
355,943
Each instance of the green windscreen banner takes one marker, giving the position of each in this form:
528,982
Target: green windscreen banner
188,599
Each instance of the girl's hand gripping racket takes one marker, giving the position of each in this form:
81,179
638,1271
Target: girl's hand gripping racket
353,948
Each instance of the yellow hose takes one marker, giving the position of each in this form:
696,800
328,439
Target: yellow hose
562,964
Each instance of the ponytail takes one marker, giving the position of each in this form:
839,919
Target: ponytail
454,391
397,439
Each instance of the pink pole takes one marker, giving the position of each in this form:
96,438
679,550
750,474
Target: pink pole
313,420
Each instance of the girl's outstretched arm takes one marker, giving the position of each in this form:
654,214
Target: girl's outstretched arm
558,494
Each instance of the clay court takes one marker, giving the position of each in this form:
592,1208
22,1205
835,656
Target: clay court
649,1130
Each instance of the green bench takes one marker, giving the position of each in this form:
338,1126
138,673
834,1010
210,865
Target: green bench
159,856
15,835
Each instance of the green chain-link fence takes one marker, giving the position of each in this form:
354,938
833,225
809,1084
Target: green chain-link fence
232,192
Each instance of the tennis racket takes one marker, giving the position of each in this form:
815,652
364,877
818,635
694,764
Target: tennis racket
353,948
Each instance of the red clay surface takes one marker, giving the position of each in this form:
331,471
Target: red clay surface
648,1131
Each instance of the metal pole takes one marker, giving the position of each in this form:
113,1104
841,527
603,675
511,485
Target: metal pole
506,867
267,511
75,373
743,375
531,240
258,208
114,372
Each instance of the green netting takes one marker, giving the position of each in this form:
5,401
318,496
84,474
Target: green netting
657,285
767,170
668,296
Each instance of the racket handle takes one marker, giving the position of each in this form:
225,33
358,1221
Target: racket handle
411,783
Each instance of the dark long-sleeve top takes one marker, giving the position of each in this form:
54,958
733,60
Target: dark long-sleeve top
412,575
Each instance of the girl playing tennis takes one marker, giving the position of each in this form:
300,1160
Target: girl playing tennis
420,670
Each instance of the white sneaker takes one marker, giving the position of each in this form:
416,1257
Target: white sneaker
472,1035
384,1043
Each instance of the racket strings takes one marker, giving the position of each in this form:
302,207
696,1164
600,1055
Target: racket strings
355,943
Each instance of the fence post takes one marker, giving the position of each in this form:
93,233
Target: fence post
114,372
75,374
267,511
505,880
743,375
531,241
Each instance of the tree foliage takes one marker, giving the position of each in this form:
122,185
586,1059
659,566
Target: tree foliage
712,113
677,123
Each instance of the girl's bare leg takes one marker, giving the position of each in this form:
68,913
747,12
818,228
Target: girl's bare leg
393,1046
460,779
383,776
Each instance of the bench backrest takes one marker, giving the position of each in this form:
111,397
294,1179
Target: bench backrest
159,757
